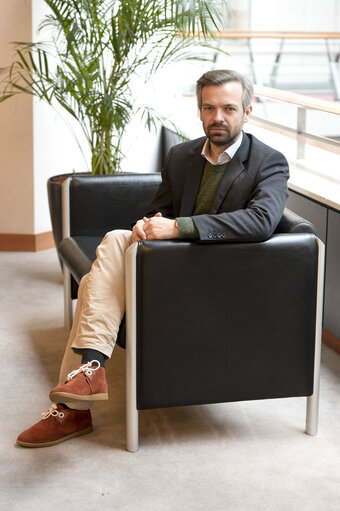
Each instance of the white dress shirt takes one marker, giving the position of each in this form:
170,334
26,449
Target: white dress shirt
226,156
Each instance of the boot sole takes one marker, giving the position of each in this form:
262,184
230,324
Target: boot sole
60,397
55,442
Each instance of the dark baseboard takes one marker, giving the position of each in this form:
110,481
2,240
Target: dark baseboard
26,242
331,341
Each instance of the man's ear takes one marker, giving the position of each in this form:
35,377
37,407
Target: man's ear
247,113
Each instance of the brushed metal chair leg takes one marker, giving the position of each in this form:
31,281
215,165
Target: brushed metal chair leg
131,359
312,412
312,415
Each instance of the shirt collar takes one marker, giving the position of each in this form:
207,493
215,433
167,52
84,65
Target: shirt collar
227,155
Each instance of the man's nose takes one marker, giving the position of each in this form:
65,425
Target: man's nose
218,115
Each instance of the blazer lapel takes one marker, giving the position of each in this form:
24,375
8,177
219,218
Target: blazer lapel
192,184
234,169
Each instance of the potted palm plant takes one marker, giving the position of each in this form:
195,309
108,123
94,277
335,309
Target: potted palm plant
94,50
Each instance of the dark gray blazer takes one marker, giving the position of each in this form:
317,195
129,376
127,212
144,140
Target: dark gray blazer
250,199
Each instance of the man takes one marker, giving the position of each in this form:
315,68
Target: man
227,186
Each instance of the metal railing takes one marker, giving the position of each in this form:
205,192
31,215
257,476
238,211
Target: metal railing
303,104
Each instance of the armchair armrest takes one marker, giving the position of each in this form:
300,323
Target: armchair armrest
225,322
293,223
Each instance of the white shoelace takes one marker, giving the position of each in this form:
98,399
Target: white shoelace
52,411
85,368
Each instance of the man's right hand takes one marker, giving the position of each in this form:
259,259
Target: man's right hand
138,233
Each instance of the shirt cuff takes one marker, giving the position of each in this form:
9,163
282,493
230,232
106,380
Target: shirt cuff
186,227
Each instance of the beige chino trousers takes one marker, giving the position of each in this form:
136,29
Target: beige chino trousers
100,305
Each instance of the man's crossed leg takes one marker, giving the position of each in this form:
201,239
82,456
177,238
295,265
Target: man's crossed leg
99,311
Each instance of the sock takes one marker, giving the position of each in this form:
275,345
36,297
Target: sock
70,407
89,354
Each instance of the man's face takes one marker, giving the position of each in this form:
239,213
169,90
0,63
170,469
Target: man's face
222,113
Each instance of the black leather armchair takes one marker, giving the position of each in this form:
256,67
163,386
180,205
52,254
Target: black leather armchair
91,207
209,323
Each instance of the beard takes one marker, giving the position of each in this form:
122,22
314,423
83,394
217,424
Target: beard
224,138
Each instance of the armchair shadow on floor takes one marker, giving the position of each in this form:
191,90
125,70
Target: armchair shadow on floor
214,322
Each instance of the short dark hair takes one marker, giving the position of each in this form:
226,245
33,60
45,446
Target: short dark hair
222,76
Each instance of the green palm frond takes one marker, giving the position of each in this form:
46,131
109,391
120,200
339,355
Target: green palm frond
93,48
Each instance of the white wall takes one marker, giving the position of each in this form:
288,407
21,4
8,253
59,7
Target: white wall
55,150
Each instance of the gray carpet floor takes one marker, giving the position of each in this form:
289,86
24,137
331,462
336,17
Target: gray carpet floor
248,456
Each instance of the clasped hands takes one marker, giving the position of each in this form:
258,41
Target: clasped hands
155,228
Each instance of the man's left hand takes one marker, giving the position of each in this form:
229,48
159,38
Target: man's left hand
160,228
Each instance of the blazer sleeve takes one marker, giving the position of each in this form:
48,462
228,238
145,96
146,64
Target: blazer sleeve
257,218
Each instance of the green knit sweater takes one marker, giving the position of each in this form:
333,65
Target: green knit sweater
212,176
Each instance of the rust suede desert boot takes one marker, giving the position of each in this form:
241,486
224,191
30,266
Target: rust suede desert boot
57,425
87,383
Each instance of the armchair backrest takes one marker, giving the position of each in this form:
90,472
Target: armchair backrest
99,204
168,139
